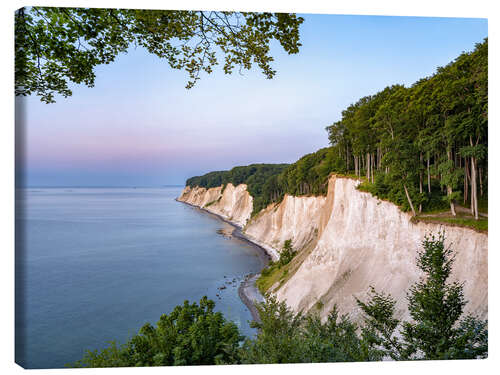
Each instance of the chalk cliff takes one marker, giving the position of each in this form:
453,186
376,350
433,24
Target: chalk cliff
233,203
348,241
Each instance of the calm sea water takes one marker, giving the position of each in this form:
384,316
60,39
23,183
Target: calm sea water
94,265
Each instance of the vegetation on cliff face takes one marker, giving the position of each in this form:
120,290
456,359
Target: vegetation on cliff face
276,271
194,334
422,147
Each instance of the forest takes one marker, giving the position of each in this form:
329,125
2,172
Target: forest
423,147
257,177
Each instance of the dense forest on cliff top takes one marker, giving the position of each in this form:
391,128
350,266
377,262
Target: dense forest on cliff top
423,147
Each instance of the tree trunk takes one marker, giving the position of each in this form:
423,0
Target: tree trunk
466,182
481,181
474,209
428,174
409,200
473,185
373,168
452,203
421,180
367,166
449,189
471,190
347,159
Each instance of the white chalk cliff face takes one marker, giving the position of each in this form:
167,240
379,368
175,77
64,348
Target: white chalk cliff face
234,203
295,218
352,241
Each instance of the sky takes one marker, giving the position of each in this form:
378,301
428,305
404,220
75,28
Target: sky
139,126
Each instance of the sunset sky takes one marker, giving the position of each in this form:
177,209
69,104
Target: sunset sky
139,126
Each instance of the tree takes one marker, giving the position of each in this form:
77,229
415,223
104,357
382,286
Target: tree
287,253
191,334
279,335
436,306
55,46
288,337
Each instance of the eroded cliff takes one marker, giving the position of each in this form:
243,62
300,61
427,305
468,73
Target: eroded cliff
349,241
232,203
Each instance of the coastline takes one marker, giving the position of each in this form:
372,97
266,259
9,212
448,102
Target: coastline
250,294
247,291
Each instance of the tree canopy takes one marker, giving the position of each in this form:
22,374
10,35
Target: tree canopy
415,144
423,147
192,334
55,46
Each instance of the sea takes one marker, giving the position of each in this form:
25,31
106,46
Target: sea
95,264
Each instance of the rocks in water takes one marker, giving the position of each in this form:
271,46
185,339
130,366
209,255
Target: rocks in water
226,233
234,282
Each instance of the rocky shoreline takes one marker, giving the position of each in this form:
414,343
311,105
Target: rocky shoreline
247,291
250,294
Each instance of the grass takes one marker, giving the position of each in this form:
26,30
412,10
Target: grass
271,275
482,204
460,221
440,212
276,274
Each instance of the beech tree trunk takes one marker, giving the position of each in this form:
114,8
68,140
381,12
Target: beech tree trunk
473,189
449,189
374,167
466,181
367,166
347,159
421,180
409,200
481,181
452,203
428,174
474,209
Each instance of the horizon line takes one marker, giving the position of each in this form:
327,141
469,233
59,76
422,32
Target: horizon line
97,186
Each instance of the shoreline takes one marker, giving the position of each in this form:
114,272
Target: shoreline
250,294
247,291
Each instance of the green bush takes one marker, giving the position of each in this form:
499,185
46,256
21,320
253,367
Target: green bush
287,253
191,334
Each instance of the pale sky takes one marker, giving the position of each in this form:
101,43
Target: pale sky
139,126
